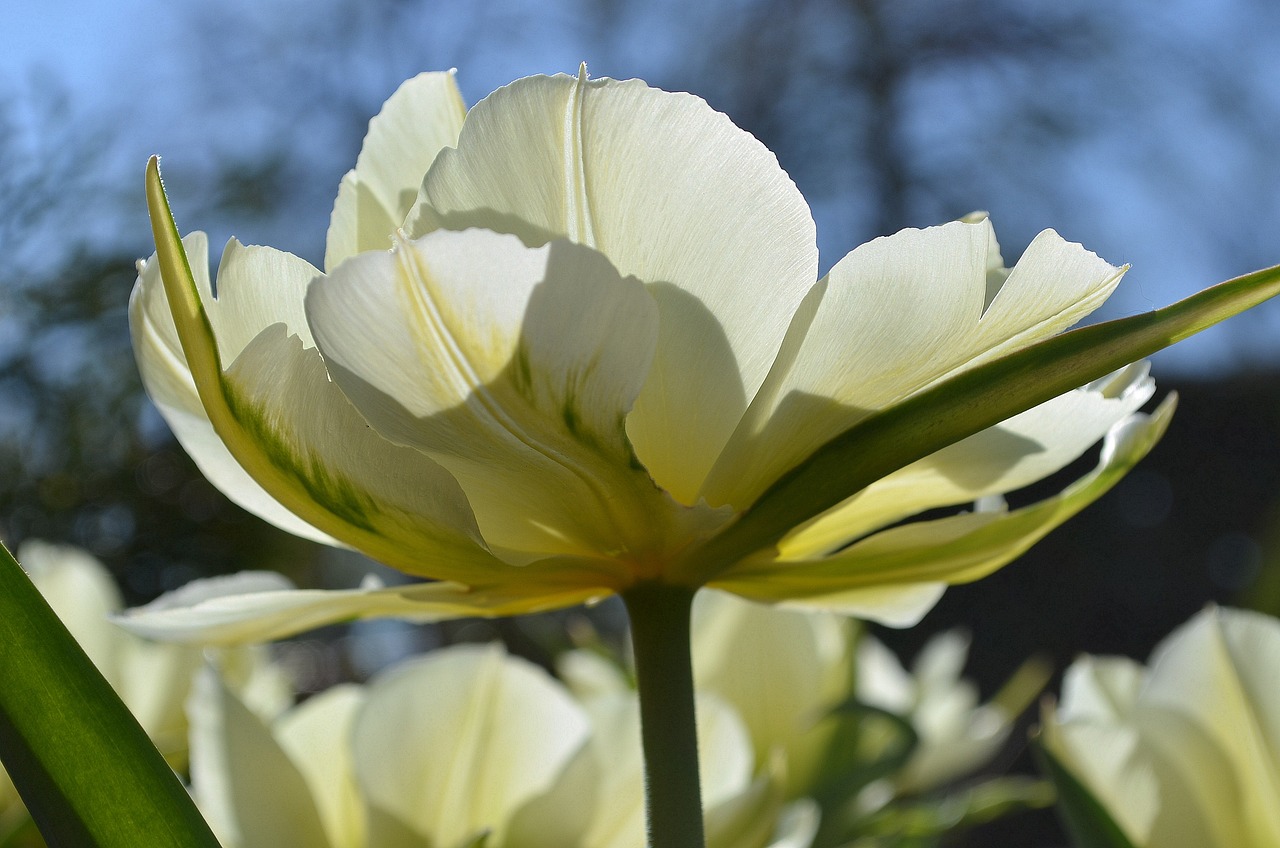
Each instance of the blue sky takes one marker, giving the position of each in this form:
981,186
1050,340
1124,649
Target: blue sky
136,66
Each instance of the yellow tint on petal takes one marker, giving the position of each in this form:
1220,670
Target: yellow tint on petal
782,670
316,735
169,383
1013,454
278,414
672,193
258,606
514,368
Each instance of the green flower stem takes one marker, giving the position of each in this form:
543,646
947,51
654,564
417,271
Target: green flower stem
664,673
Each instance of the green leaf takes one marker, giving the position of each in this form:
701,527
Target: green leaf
963,405
87,772
1088,823
869,743
925,820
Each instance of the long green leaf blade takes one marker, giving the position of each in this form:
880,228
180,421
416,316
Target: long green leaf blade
966,404
85,768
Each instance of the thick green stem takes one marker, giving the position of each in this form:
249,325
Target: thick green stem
664,672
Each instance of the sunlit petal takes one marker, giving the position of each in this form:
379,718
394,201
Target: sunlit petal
421,118
169,383
674,194
316,735
1014,454
899,314
250,791
498,732
783,671
259,606
514,368
957,549
276,412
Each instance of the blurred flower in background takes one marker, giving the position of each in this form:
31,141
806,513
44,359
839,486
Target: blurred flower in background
831,713
1181,753
465,746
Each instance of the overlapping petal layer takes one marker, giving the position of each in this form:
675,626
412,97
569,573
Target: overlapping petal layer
923,555
459,746
491,744
895,316
591,353
281,422
512,367
423,117
673,194
1004,458
1184,752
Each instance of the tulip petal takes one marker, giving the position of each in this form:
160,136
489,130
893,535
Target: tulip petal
674,194
498,733
169,384
748,819
423,117
1100,688
514,368
1004,458
1219,671
957,549
783,671
724,760
1115,769
898,315
278,414
259,606
958,407
243,781
316,736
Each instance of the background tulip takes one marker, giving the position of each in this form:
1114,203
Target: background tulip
1182,752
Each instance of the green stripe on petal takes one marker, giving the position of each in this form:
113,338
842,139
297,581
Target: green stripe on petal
674,194
958,549
289,427
169,384
514,368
